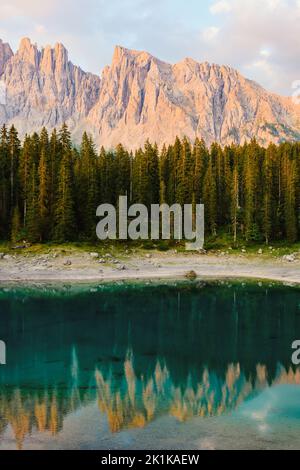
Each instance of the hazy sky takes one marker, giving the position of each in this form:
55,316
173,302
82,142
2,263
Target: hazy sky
259,37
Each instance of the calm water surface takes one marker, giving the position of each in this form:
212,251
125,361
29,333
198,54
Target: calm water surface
176,366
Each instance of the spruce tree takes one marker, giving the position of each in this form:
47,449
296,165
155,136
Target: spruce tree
184,188
65,220
44,195
4,184
269,195
253,191
16,226
235,207
290,196
89,188
200,164
210,198
13,151
25,168
33,216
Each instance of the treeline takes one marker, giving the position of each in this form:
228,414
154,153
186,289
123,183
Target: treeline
49,190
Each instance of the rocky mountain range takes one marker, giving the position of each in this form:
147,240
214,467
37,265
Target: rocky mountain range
139,97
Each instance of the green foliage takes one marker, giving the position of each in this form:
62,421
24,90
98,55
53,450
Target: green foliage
50,191
16,227
65,220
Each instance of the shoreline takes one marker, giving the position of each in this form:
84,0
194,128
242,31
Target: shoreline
82,268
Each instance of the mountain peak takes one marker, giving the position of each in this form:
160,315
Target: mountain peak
28,52
121,53
60,49
61,56
140,97
25,43
26,46
5,54
4,44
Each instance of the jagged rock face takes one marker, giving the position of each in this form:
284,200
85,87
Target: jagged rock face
142,97
139,97
5,54
44,89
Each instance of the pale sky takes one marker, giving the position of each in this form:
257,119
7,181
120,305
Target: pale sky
258,37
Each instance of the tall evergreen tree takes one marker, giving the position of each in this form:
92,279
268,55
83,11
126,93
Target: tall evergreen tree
210,198
44,196
235,199
13,151
269,196
89,187
65,219
290,196
4,184
253,188
184,189
201,157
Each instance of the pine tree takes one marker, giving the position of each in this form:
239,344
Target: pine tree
200,164
253,191
184,189
65,220
89,187
44,193
122,161
174,170
4,184
210,198
16,226
138,176
13,151
149,186
25,168
269,196
54,165
107,175
290,196
32,219
164,169
235,202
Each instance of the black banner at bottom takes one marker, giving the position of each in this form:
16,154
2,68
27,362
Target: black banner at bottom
127,459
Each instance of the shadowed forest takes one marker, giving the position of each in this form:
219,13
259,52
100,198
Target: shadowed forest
49,189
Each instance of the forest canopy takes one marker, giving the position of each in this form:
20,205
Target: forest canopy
49,189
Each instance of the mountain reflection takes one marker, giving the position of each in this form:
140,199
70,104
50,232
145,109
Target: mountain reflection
142,401
139,353
129,401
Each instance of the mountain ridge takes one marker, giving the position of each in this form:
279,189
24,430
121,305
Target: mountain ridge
140,97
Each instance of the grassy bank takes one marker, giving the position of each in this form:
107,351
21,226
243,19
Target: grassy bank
213,246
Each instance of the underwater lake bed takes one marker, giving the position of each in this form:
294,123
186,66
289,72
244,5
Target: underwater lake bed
174,365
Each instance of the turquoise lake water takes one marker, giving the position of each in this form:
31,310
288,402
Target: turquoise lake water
150,366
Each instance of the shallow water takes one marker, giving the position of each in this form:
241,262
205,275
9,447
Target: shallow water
148,366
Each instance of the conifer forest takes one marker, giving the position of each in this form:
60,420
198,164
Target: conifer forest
50,189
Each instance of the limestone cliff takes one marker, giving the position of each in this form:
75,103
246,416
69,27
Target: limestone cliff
139,97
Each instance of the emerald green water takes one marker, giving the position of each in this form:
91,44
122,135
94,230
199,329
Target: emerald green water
146,366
